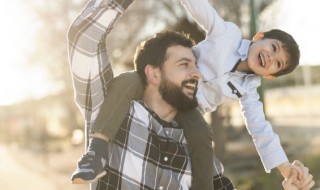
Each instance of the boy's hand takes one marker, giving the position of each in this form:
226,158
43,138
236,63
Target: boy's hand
305,182
296,176
288,183
296,169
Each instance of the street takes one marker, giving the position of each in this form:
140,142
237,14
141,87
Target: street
16,174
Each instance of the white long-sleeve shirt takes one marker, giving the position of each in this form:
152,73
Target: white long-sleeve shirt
217,56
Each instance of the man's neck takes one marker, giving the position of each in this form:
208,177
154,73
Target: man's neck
154,101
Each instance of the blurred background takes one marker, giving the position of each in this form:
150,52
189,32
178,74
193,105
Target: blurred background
41,129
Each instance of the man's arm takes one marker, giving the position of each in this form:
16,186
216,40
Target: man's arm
88,58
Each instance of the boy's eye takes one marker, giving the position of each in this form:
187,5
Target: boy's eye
274,47
278,64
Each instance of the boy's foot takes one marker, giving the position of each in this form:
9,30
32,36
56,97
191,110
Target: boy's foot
90,169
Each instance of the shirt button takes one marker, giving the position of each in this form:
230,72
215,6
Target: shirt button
235,91
165,158
161,187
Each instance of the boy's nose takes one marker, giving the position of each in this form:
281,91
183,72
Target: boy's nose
272,57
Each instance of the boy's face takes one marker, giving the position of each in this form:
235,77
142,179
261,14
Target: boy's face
267,57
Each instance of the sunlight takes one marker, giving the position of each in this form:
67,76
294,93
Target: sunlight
18,80
303,25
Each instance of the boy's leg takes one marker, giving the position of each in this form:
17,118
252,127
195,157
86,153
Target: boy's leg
91,165
124,88
199,138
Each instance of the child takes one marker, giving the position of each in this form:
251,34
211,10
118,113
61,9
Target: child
231,69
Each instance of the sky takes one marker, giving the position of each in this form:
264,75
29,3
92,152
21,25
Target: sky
19,80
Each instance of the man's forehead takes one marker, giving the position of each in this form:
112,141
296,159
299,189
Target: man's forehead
179,51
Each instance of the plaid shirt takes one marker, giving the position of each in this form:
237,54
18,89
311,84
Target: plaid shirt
147,153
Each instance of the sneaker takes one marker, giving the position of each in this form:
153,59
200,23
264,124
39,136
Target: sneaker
90,169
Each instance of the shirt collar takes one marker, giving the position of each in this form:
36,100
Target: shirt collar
244,49
172,124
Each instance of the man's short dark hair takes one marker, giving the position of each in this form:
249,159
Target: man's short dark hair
153,50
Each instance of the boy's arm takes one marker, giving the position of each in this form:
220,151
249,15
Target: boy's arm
206,16
266,141
90,67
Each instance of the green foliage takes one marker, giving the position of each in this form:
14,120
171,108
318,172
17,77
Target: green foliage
263,181
260,181
313,163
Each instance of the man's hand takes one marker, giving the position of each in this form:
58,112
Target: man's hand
296,176
296,169
306,182
288,183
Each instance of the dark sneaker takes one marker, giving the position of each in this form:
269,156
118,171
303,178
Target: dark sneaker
90,169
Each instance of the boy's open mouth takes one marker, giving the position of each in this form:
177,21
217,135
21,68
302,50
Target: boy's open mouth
262,60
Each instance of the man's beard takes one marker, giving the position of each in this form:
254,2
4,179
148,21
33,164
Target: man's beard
174,95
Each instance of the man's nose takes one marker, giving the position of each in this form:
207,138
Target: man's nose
195,73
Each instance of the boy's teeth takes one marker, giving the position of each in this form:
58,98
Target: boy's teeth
261,58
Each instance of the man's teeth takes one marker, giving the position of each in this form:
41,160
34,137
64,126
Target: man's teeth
191,85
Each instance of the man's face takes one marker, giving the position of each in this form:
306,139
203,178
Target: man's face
179,78
267,57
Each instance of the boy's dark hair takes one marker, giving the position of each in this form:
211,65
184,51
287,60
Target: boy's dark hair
289,45
153,50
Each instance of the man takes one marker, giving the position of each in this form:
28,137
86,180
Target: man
170,85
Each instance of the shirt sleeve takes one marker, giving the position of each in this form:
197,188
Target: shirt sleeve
266,141
207,17
88,57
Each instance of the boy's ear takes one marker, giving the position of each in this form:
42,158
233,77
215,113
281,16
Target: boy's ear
269,76
258,36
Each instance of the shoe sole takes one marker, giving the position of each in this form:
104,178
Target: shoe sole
83,181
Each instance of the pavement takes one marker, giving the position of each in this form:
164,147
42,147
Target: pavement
23,170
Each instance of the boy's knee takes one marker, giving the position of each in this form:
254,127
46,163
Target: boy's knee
129,84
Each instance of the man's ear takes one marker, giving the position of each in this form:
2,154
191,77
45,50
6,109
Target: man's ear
152,74
258,36
269,76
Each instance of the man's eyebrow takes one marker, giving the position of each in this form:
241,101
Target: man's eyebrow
184,59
